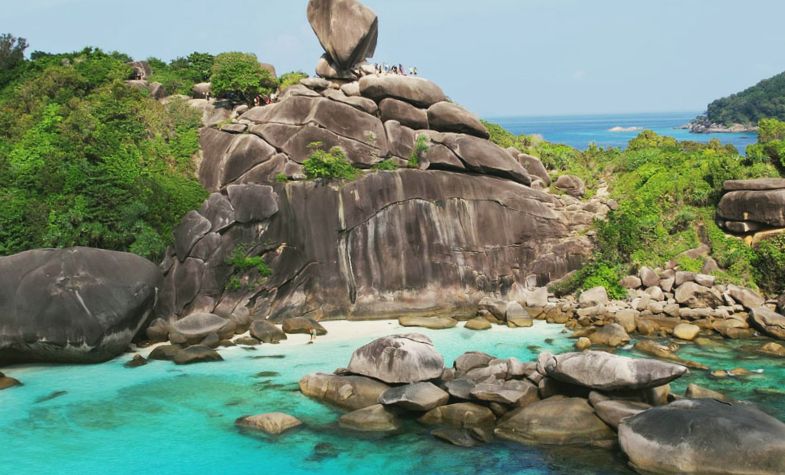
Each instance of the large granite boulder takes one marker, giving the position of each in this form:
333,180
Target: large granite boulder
769,322
347,392
409,358
448,117
572,185
403,113
704,436
197,326
266,332
417,91
693,295
347,30
764,206
76,305
607,372
565,421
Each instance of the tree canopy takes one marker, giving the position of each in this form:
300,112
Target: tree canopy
764,100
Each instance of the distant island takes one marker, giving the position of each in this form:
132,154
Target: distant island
741,112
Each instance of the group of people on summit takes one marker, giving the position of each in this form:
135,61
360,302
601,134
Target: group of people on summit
395,69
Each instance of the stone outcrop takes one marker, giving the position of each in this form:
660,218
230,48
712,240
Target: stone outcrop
273,423
704,436
77,305
457,222
749,206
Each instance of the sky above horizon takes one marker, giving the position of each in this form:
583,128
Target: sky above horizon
496,57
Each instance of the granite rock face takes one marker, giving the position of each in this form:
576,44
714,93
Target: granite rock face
457,221
76,305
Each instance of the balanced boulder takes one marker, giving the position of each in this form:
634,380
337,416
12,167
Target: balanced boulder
409,358
704,436
604,371
347,30
76,305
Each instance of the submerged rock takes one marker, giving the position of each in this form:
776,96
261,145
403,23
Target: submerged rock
273,423
566,421
406,358
76,305
704,436
374,418
458,437
604,371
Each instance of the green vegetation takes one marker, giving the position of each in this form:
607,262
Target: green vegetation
12,54
180,75
240,77
594,274
86,160
764,100
248,270
290,79
331,164
421,146
668,192
386,165
771,144
769,264
281,177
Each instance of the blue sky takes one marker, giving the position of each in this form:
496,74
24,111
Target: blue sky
497,57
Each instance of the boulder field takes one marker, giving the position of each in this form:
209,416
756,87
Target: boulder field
753,207
76,305
586,399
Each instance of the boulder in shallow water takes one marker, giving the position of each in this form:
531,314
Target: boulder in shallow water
415,397
478,323
374,418
559,421
196,354
8,382
273,423
348,392
75,305
704,436
604,371
612,335
409,358
197,326
457,437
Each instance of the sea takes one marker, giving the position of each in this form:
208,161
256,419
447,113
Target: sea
168,419
614,130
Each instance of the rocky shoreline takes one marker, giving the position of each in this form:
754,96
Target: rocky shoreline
589,398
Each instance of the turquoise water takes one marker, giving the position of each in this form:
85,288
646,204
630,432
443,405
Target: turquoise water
579,131
162,418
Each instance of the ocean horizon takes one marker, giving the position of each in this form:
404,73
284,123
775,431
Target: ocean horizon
613,130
